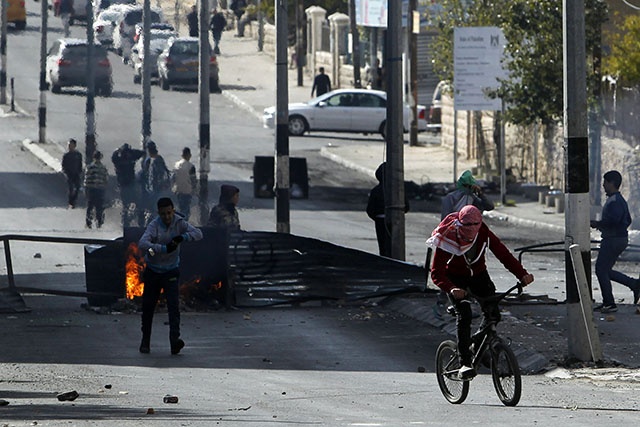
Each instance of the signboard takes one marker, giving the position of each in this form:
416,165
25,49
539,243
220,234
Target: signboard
477,52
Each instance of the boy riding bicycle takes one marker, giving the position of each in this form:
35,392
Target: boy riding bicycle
459,268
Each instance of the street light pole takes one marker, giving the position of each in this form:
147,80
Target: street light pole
146,73
3,52
42,106
413,28
394,185
205,128
576,170
281,164
90,134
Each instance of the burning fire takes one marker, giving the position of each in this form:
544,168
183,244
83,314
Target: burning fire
134,267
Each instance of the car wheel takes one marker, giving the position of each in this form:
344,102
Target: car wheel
71,21
55,88
214,87
119,51
164,84
383,129
21,25
297,125
106,90
137,78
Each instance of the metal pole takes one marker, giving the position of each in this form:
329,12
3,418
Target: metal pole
42,106
596,120
205,128
90,134
394,198
3,52
355,48
503,162
299,50
576,168
412,33
146,73
260,27
281,169
455,143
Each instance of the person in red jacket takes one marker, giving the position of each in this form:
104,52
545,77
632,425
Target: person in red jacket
459,268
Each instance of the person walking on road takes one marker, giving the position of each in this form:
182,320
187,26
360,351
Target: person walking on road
217,26
124,160
321,83
65,11
238,7
192,21
160,244
613,227
184,182
95,182
376,211
459,268
72,168
225,215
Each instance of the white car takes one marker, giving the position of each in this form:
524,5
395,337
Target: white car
343,110
105,22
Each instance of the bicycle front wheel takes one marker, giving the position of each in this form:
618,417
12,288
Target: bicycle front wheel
447,364
506,374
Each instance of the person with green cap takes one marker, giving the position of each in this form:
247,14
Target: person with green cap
467,192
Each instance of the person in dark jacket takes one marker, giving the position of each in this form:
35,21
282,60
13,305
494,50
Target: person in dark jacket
72,168
459,268
65,10
224,214
376,211
321,83
124,160
613,227
155,181
192,21
238,7
217,26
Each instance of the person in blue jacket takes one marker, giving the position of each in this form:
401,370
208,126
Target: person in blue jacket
613,227
160,244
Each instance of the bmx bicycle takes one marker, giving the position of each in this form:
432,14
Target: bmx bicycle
488,347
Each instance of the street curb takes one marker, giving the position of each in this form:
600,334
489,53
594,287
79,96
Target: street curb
41,154
501,216
242,105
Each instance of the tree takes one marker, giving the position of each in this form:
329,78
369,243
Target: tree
624,59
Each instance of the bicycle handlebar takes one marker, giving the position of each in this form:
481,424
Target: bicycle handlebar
502,295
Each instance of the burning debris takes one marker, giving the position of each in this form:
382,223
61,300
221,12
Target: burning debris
134,267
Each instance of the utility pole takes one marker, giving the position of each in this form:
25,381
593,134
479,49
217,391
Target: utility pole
42,106
595,120
355,48
576,169
394,185
90,113
260,27
203,92
413,28
299,50
3,52
146,73
281,166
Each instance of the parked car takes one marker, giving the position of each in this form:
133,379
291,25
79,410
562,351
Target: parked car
158,41
343,110
179,62
105,23
100,5
434,119
67,66
17,14
125,28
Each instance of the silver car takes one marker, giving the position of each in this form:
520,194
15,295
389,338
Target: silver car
343,110
67,66
179,63
157,43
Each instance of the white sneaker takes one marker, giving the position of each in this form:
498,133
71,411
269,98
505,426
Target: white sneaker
466,372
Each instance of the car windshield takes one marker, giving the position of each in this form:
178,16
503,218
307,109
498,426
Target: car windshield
184,48
135,17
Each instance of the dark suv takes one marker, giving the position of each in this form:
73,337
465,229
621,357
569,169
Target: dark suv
179,63
67,66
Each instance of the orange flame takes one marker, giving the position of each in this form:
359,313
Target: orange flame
134,267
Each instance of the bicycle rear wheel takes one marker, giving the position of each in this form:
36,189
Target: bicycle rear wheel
447,365
506,374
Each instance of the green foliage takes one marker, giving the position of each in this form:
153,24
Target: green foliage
533,29
624,59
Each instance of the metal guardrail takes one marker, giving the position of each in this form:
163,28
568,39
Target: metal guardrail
7,238
544,247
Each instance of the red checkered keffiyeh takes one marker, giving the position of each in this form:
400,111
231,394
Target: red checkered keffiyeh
458,231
